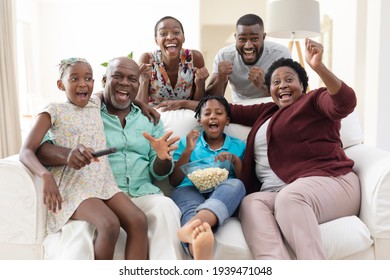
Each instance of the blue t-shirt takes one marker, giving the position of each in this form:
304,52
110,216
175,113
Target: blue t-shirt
202,150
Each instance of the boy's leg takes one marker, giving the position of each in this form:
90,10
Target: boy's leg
224,200
213,212
188,200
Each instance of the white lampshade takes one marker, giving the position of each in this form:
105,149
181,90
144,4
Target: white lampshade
295,19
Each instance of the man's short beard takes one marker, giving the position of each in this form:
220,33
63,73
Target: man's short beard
119,106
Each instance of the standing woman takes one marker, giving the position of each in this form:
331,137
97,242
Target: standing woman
171,72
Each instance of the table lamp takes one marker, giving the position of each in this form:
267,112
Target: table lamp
293,19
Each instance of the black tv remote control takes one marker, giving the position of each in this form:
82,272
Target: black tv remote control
104,152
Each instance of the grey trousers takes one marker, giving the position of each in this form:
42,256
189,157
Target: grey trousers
272,221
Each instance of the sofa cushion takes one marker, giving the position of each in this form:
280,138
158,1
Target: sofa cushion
344,237
182,121
351,130
73,242
341,238
179,121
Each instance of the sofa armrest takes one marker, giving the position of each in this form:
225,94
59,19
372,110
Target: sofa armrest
373,168
22,213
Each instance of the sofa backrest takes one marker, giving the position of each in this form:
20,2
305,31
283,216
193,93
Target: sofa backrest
182,121
351,132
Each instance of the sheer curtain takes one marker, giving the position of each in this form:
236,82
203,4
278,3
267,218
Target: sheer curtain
10,134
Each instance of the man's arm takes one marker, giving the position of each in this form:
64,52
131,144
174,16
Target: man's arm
219,81
162,167
216,86
52,155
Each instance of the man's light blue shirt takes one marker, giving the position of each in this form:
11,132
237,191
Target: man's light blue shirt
132,164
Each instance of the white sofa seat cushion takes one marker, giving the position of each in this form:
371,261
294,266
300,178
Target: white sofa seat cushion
73,242
341,238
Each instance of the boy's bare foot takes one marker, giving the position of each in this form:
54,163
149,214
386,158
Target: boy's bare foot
203,242
185,232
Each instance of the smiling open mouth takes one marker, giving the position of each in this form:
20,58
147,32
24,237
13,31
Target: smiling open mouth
284,96
122,95
82,95
213,126
171,47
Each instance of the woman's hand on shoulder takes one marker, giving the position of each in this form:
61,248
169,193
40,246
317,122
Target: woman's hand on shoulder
170,105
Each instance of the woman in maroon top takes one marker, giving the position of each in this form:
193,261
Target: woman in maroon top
295,170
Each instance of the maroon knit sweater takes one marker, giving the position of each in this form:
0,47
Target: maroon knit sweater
303,138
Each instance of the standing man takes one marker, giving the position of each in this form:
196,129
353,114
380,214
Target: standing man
244,63
143,155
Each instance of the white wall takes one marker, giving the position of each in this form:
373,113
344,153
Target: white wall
360,56
377,99
383,140
98,30
29,61
361,40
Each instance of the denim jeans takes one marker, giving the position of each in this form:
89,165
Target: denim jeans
222,201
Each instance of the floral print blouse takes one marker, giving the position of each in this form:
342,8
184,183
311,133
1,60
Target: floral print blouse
160,87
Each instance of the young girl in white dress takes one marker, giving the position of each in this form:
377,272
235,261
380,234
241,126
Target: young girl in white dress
91,193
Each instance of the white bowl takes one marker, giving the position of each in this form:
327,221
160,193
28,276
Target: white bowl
207,173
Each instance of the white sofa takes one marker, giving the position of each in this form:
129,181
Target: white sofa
23,216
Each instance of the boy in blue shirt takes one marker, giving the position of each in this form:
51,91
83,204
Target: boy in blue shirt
203,213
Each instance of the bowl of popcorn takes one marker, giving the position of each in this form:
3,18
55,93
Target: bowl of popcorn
207,173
